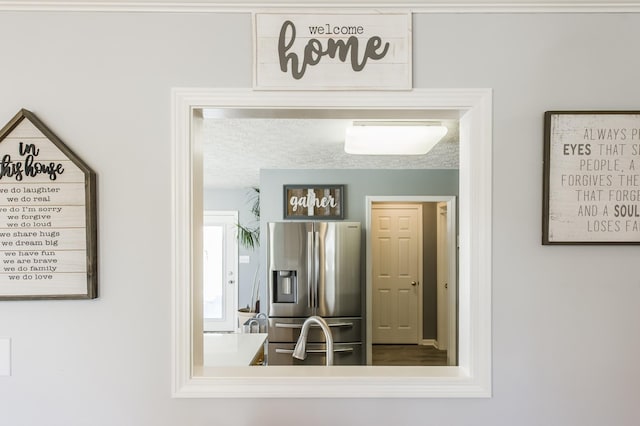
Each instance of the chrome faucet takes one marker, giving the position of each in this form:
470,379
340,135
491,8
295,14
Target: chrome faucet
300,352
251,323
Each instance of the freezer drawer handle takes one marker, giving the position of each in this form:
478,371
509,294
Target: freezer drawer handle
335,324
314,351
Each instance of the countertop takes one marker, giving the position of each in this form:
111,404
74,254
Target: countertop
232,349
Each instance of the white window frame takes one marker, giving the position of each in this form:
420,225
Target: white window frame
471,378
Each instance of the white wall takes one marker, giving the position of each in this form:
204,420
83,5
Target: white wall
565,319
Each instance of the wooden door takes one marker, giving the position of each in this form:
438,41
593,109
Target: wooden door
396,239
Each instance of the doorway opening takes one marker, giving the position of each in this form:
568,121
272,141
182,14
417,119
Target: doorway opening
470,377
219,270
411,280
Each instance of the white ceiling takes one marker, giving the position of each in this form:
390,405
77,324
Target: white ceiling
235,149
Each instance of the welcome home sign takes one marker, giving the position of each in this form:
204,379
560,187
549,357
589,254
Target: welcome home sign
325,51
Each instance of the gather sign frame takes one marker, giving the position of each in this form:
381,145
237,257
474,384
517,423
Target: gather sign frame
308,202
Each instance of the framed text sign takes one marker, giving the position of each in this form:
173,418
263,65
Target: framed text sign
591,177
306,202
47,216
332,51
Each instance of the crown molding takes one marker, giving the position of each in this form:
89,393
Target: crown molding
245,6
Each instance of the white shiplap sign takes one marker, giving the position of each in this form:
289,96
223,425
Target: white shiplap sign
592,178
325,51
47,216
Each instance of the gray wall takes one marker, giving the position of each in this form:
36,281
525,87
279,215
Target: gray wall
564,318
358,185
429,271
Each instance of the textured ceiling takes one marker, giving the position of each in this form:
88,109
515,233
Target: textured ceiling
235,149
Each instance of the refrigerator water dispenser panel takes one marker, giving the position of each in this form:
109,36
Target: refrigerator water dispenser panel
285,286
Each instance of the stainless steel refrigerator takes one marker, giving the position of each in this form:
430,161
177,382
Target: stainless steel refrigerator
314,269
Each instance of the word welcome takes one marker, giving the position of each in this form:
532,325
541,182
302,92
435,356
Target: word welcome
314,51
336,30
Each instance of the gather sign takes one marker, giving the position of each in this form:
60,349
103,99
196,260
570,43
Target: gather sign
332,51
313,202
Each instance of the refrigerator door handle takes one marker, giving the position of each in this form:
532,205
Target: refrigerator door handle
310,272
335,324
316,268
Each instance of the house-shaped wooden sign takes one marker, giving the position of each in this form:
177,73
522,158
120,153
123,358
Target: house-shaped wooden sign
48,231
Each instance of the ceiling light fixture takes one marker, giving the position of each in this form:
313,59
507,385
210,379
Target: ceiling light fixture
392,138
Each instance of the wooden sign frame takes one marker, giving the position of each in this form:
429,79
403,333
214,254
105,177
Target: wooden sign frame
69,239
327,200
591,180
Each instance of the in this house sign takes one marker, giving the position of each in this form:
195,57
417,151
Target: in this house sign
47,216
324,51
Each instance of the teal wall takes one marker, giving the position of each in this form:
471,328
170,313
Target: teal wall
358,185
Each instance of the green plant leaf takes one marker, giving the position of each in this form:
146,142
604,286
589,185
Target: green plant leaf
249,236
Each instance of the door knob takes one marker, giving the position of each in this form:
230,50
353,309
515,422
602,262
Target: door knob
414,283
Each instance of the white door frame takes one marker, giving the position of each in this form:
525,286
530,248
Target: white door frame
442,337
451,248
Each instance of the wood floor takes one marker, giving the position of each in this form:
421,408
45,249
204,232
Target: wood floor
408,355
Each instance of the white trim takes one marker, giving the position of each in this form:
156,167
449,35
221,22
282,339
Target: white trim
472,378
429,342
245,6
